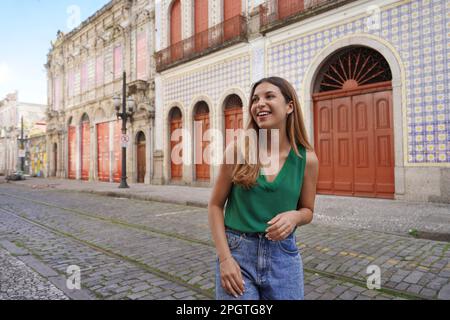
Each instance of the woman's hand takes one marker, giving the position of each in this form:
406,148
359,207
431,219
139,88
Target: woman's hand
231,277
282,225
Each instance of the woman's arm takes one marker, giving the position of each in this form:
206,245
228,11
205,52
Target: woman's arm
283,224
231,276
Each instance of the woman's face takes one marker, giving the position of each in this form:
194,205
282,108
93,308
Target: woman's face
269,108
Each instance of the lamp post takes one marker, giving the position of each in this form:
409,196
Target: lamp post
124,115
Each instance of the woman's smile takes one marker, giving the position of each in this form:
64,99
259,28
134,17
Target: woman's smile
264,115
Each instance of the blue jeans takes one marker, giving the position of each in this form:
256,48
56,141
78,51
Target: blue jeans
272,270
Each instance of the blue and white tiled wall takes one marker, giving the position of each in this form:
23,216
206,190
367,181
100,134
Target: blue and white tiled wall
211,81
420,31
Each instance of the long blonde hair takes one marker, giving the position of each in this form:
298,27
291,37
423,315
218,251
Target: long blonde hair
245,174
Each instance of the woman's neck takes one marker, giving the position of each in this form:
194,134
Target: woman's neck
283,141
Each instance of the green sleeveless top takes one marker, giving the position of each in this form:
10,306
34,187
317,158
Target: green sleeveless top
249,210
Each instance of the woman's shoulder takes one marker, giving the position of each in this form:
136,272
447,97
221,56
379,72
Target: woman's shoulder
312,161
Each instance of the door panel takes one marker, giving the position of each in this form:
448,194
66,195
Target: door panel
117,161
384,143
323,120
103,151
85,150
342,145
233,121
287,8
232,9
364,145
176,169
175,31
72,153
141,162
55,160
202,169
201,25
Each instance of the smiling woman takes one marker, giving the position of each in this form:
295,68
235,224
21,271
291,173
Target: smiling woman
257,255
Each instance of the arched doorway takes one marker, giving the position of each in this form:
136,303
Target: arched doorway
85,147
55,159
353,121
233,115
201,125
72,152
176,123
141,157
117,160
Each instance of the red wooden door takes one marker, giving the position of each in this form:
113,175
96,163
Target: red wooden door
103,151
232,9
85,150
72,153
354,143
233,121
141,166
117,164
176,169
201,25
287,8
175,31
201,167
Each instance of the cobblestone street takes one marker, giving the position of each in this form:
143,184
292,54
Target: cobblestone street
132,249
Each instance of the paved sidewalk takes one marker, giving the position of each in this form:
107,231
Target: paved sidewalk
19,282
392,216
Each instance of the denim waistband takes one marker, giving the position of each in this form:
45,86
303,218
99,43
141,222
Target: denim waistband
247,234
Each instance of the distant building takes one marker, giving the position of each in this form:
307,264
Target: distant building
11,113
85,71
37,150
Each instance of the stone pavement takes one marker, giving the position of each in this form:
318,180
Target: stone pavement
392,216
133,249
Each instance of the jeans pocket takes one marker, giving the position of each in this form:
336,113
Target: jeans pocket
289,246
234,240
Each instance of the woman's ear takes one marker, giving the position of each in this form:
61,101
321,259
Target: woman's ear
290,108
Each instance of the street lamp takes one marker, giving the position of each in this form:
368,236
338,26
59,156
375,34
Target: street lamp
124,115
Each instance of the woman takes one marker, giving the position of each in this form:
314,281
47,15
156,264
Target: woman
256,247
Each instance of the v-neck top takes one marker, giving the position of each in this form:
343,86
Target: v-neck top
249,210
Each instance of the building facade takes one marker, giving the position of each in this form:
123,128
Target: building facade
11,113
372,77
85,71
